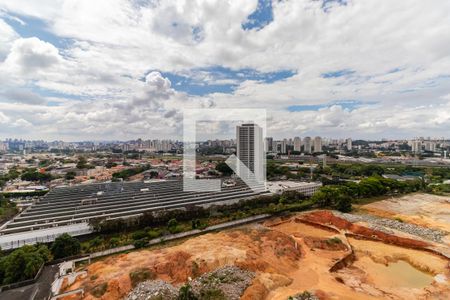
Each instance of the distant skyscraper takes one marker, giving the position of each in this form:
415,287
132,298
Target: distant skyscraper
317,144
297,144
284,144
250,148
430,146
307,144
349,144
268,145
416,146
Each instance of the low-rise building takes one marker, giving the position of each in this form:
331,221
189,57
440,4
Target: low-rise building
306,188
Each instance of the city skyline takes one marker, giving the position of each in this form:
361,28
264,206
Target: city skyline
320,68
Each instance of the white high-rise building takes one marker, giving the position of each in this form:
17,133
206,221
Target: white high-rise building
297,144
416,146
250,149
430,146
307,144
317,144
349,144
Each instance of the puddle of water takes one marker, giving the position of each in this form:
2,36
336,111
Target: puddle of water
395,274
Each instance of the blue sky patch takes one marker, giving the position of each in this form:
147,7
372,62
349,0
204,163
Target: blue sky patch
217,79
345,104
32,27
328,4
262,16
338,73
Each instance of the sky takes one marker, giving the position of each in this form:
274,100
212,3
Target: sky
114,69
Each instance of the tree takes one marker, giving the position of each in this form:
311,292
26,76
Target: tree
70,175
33,175
344,204
224,169
82,162
23,263
65,245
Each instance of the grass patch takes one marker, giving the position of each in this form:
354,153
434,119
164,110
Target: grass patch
333,241
94,277
99,290
141,274
211,294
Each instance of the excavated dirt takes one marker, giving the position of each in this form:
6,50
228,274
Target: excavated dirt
421,209
317,251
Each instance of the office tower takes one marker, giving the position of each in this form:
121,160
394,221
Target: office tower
297,144
250,149
416,146
307,144
268,145
317,144
349,144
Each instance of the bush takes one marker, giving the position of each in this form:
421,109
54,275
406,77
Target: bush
186,293
333,241
114,242
140,243
99,290
64,246
141,274
96,243
153,234
138,235
212,294
172,223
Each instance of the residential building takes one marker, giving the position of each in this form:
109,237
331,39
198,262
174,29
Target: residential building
416,146
307,144
430,146
297,144
250,149
317,144
349,144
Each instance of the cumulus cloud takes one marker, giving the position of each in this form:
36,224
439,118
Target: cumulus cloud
7,37
3,118
395,54
22,96
30,55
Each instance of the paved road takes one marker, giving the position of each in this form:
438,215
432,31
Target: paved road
37,291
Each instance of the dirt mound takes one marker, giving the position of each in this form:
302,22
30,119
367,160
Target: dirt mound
153,290
228,282
254,248
327,218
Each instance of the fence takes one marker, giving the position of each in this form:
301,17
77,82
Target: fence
7,245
